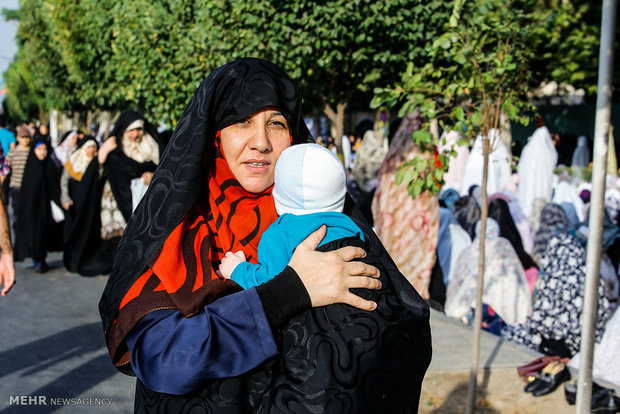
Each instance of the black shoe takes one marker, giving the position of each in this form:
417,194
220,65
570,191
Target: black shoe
531,386
570,392
535,383
41,267
604,402
551,380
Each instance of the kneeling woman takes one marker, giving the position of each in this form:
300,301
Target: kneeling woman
302,342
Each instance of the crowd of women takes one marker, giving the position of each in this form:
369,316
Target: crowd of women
78,196
536,241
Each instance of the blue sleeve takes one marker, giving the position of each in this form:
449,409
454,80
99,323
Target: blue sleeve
174,355
248,274
275,250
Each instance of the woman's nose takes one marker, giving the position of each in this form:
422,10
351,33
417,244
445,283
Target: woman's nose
260,140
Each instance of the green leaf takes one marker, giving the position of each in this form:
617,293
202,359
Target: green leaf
459,113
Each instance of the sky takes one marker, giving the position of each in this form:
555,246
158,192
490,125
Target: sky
8,46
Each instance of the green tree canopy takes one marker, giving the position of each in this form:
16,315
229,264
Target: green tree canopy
116,54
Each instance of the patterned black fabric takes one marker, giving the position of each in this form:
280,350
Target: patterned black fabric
334,359
559,296
552,219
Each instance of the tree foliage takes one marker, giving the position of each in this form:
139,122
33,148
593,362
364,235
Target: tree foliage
117,54
479,69
570,52
112,54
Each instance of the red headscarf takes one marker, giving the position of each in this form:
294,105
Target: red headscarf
194,209
234,221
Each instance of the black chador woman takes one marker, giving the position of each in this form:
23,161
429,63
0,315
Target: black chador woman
303,341
102,200
36,232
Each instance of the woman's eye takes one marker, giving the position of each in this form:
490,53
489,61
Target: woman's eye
278,124
243,122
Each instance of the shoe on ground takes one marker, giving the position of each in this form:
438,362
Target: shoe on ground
551,379
41,267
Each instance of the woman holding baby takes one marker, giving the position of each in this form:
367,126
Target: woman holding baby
300,342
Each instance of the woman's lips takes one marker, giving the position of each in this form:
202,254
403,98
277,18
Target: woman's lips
257,165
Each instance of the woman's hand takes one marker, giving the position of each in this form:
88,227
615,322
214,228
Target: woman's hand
147,177
328,276
107,147
7,272
67,204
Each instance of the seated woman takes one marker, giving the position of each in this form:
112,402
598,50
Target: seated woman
505,286
552,220
196,341
558,298
500,212
103,202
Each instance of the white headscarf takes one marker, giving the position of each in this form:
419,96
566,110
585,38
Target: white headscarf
581,155
499,166
66,148
564,192
454,177
536,165
368,159
79,160
505,286
144,149
346,151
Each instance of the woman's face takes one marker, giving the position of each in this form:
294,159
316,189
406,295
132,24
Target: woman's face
90,151
41,152
252,146
134,134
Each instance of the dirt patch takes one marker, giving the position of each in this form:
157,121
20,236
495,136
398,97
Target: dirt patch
499,391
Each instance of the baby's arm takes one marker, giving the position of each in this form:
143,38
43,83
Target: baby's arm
230,262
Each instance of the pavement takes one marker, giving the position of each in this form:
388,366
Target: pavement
53,356
52,348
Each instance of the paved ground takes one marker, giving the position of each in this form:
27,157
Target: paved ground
52,348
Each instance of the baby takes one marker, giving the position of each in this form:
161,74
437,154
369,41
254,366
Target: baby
309,191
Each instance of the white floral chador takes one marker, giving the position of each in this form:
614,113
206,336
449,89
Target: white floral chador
505,285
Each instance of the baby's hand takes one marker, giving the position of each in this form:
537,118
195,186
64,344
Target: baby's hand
229,263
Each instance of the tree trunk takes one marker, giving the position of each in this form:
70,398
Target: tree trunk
66,123
43,117
434,128
505,132
76,120
89,121
54,127
104,124
337,119
473,377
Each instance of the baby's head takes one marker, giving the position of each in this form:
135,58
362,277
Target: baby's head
308,179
